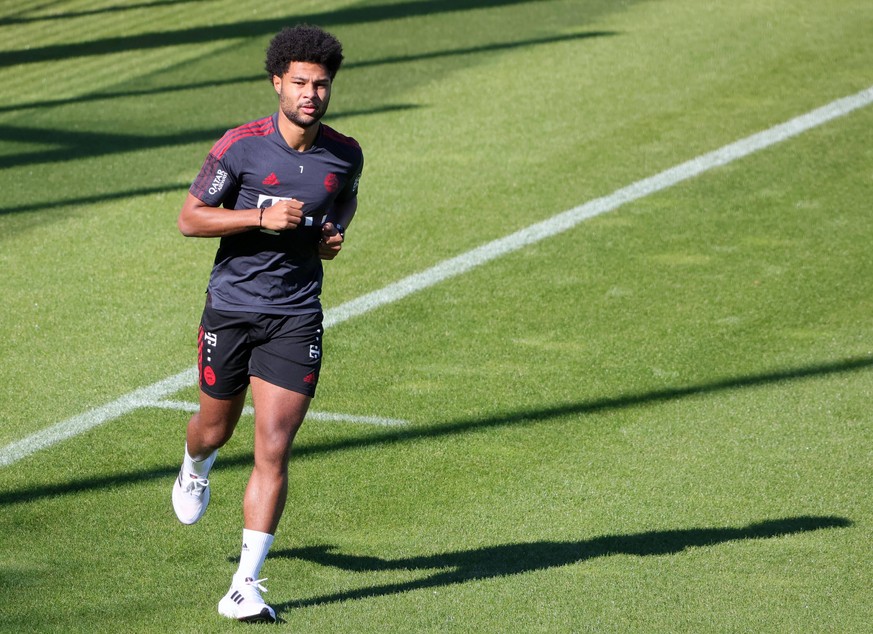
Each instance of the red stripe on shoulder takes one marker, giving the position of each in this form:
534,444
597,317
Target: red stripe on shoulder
330,133
261,127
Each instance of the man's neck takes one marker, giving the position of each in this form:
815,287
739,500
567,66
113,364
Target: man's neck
297,138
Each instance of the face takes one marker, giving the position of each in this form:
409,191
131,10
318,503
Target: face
304,93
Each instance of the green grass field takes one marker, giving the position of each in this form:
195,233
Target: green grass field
658,420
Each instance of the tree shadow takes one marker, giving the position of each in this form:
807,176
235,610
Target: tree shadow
513,559
66,15
262,77
395,436
246,29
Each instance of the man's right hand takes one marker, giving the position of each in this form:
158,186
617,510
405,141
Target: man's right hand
282,215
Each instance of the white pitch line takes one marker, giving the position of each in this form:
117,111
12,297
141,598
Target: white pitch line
248,410
572,217
97,416
184,406
463,263
350,418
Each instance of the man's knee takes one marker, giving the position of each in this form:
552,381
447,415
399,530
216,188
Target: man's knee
212,431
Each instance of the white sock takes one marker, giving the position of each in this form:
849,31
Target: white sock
200,468
254,552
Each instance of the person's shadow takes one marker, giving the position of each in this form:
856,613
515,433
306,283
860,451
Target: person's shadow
512,559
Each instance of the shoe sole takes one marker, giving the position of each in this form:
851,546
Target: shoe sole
266,615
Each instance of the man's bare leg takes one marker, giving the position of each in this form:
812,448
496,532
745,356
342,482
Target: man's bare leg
208,429
278,415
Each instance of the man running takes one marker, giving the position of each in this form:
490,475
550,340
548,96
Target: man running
279,192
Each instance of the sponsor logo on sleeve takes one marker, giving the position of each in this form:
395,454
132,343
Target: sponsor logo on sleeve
218,182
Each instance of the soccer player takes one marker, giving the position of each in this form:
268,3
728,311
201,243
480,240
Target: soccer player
279,192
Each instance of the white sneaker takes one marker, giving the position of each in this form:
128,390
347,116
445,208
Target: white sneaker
190,497
191,492
243,602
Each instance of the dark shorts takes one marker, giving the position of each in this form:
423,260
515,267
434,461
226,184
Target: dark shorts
284,350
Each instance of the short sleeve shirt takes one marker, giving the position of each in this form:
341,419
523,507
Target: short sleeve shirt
252,166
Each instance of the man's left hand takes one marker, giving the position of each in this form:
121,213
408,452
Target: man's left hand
331,242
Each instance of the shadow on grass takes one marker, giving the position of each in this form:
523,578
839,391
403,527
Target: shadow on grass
70,145
395,436
514,559
84,201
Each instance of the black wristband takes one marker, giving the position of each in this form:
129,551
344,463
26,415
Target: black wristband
261,217
340,229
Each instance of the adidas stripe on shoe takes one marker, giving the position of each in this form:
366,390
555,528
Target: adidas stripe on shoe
243,602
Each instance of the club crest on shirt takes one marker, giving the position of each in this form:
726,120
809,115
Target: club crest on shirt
331,182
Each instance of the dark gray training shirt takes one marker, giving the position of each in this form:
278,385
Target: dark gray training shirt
252,165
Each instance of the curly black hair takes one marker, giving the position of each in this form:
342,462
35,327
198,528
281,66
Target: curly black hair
303,43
